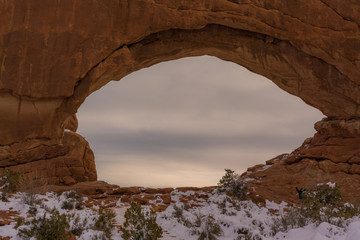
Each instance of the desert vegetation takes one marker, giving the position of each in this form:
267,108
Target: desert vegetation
225,212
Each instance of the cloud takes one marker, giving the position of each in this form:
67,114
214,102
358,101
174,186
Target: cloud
152,142
193,113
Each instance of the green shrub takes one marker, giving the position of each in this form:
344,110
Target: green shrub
348,211
322,194
321,204
19,222
55,227
11,181
139,225
105,221
233,185
324,203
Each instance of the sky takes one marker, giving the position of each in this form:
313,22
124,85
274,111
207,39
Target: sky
182,122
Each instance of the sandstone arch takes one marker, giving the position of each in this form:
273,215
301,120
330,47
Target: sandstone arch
55,53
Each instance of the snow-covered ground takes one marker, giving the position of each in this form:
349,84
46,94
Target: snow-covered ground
215,214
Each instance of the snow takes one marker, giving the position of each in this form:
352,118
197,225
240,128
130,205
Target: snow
249,179
274,206
180,220
330,184
353,231
255,219
90,234
324,231
265,167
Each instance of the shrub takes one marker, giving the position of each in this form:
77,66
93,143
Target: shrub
348,211
11,181
74,200
226,204
322,194
222,206
233,185
321,204
30,199
32,211
105,221
99,236
324,203
207,228
245,234
249,236
19,222
55,227
140,224
198,221
178,214
4,197
293,218
77,226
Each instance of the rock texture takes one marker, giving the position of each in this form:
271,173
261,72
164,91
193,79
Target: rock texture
332,155
108,195
47,162
53,55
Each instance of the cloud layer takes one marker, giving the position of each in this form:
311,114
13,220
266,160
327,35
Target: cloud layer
182,122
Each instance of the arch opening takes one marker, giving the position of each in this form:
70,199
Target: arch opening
180,123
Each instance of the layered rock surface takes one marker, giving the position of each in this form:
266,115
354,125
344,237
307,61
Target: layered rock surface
45,162
53,55
332,155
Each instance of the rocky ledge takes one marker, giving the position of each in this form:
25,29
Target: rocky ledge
332,155
108,195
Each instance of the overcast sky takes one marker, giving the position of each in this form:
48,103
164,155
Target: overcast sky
180,123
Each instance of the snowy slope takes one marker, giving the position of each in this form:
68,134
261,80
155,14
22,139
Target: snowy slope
187,220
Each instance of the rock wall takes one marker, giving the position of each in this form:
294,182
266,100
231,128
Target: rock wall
56,53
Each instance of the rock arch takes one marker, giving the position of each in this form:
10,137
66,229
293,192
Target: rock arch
55,53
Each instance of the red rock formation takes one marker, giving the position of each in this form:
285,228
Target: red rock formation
332,155
54,54
46,162
107,195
